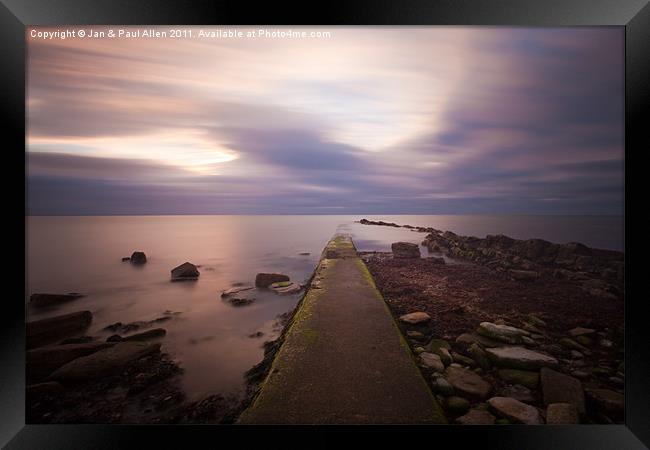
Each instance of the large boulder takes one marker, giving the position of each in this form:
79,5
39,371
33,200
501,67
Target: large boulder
186,271
515,410
40,362
415,318
138,258
265,280
515,357
468,382
46,331
405,250
41,300
560,388
104,362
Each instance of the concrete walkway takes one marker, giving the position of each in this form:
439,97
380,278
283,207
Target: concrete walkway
343,360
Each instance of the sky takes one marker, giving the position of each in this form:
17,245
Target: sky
432,120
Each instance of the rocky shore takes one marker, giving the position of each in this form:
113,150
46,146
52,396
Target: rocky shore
514,331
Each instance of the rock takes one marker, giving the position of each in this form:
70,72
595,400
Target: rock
467,339
144,336
257,334
579,331
607,401
126,258
235,290
240,301
186,271
522,377
457,405
560,388
535,321
415,335
463,360
518,392
43,300
304,253
40,362
265,280
468,383
104,362
138,258
442,386
584,340
47,389
479,355
503,333
415,318
580,374
520,358
562,414
419,350
575,354
445,356
431,361
405,250
606,343
476,417
285,287
515,410
41,332
523,275
437,344
573,345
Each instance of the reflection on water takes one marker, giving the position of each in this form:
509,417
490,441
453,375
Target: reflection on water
210,338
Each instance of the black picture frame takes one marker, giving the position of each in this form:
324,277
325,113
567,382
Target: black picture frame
634,15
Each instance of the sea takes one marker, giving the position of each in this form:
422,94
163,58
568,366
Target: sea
207,336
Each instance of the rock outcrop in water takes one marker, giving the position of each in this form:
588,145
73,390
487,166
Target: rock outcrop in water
138,258
186,271
405,250
45,331
265,280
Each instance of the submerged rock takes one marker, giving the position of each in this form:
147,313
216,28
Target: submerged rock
405,250
240,301
104,362
515,410
186,271
41,300
265,280
235,290
41,332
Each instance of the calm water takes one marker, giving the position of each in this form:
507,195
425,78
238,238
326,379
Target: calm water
210,338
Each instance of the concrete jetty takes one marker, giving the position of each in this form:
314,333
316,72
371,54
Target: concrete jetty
343,359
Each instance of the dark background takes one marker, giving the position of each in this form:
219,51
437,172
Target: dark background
16,14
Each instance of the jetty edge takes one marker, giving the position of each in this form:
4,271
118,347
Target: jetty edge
343,359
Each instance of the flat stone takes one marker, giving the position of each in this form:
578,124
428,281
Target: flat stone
522,377
235,290
515,410
503,333
562,414
579,331
104,362
520,358
42,361
468,383
285,289
560,388
415,318
483,341
431,361
476,417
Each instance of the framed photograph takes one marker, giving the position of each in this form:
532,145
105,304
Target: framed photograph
373,217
